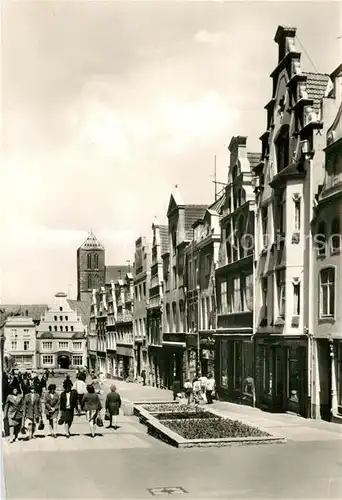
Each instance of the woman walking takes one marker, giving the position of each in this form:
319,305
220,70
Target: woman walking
13,413
188,390
92,405
32,411
52,409
67,405
113,404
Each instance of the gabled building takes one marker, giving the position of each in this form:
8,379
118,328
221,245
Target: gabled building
234,277
101,328
180,220
326,277
201,257
20,342
155,306
124,297
141,274
90,267
283,220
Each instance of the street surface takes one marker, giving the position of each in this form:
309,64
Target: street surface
127,463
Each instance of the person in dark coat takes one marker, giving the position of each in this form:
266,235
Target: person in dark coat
37,384
13,412
67,384
92,405
32,411
67,405
113,404
52,408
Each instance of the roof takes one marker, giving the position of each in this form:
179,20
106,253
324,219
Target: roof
192,213
218,204
34,311
92,243
113,273
164,239
316,85
82,307
254,159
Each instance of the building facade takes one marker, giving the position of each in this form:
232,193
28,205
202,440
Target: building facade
327,267
20,342
61,337
180,220
124,296
90,267
235,278
282,225
141,274
155,306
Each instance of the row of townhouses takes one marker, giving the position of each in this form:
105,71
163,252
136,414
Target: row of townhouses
246,288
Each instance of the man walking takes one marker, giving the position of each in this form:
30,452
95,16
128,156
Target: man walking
210,389
81,388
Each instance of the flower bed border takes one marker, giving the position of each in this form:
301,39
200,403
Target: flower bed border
157,429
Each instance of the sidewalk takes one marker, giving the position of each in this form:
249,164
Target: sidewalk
292,427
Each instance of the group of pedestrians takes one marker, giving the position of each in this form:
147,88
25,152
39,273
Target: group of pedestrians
199,389
24,411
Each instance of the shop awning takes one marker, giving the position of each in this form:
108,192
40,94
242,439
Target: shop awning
174,344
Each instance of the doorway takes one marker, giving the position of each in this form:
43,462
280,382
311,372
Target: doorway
64,362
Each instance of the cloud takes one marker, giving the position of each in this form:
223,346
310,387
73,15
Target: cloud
213,38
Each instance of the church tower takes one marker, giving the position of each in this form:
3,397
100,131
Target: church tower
90,267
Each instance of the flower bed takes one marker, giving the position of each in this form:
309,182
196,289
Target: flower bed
171,408
216,428
188,415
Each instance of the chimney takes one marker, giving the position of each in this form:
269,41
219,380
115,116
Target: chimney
285,38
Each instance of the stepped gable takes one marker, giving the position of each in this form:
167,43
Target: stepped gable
92,243
192,214
316,86
113,273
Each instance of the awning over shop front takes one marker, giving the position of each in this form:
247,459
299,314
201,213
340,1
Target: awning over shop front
174,344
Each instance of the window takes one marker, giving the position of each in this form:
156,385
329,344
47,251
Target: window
327,293
195,273
190,277
77,345
282,149
66,318
50,328
335,235
321,239
55,318
61,318
14,345
174,317
26,345
281,290
90,282
296,299
264,292
47,345
174,276
96,261
89,261
140,293
61,328
61,309
63,345
96,281
264,223
47,359
55,327
249,288
174,240
67,328
297,220
224,304
144,289
72,328
167,326
207,264
241,229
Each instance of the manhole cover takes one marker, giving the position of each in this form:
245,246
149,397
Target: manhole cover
167,490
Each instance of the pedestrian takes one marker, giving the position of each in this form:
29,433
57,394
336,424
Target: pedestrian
96,384
210,388
81,388
32,411
143,374
15,382
92,405
52,408
203,381
36,383
67,384
43,382
25,385
188,390
13,412
67,405
176,389
196,386
113,404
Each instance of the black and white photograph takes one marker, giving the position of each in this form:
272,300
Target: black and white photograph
171,249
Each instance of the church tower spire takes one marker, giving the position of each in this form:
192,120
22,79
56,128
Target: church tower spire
90,267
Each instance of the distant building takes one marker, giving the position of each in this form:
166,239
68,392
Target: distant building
20,342
141,275
90,267
61,336
124,297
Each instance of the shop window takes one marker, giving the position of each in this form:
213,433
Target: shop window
335,235
294,376
237,378
267,382
224,364
327,293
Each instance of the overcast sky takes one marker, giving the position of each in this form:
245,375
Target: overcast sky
108,105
